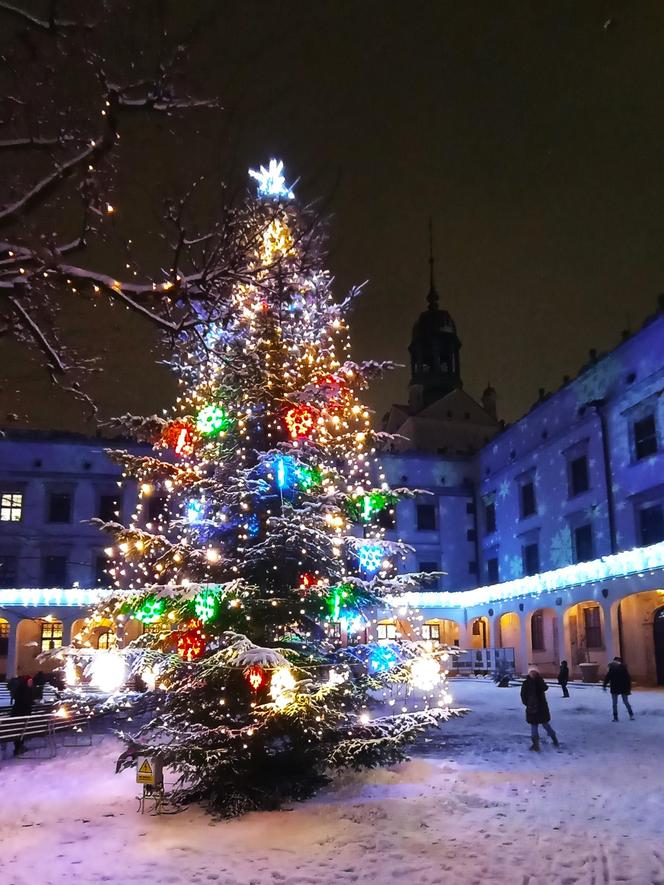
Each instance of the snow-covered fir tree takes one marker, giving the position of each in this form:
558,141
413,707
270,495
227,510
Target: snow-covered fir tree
257,550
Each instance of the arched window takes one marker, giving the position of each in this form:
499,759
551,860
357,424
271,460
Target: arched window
104,640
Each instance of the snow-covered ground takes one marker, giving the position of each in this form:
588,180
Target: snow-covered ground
473,806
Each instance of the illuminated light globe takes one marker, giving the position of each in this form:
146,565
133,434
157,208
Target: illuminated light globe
191,643
205,606
179,436
425,673
300,421
195,510
151,611
382,659
272,182
308,478
281,685
255,676
108,671
212,420
370,557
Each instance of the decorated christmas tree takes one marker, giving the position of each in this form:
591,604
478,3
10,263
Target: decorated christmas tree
256,561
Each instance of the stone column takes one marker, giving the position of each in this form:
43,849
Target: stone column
12,648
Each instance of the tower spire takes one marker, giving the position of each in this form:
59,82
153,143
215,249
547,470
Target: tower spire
432,297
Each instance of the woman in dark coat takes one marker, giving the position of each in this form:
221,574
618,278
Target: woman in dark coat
533,698
563,678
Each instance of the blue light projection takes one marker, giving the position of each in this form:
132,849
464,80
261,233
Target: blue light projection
195,510
272,182
383,658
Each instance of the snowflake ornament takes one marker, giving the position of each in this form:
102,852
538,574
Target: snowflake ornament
271,181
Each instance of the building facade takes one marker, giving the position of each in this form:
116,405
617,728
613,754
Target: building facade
548,534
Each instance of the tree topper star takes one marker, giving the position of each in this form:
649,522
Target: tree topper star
271,181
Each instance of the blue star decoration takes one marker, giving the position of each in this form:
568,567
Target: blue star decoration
272,182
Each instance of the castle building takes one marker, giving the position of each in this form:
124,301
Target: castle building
548,535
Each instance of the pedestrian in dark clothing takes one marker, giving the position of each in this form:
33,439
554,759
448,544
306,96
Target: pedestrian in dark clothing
533,698
563,678
21,704
38,683
620,682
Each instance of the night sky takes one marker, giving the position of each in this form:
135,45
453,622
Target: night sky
532,132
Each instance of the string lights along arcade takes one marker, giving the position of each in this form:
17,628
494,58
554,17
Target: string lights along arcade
258,537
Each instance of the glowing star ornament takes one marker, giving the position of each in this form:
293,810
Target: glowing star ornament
281,686
191,642
255,676
272,182
425,673
108,671
212,420
300,421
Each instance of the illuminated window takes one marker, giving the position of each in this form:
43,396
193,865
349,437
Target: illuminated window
537,631
336,629
4,638
386,631
104,640
431,631
51,635
11,506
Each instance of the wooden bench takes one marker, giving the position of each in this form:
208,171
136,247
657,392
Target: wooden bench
74,728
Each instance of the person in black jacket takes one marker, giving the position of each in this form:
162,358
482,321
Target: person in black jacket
620,682
22,699
563,678
533,698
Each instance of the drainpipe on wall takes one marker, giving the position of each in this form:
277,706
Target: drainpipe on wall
599,405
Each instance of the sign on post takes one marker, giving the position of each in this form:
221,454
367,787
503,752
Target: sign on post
149,771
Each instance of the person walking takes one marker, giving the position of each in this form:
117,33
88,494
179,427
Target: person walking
563,678
22,699
620,682
533,698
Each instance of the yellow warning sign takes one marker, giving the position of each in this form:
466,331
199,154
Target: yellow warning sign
148,771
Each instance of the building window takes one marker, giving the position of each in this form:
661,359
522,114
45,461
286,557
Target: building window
430,583
11,506
472,567
431,631
336,630
109,507
54,571
59,507
528,506
593,627
578,476
492,571
102,578
645,437
386,631
470,508
537,631
156,508
8,565
387,518
490,517
104,640
51,635
583,543
426,517
470,535
651,524
530,556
